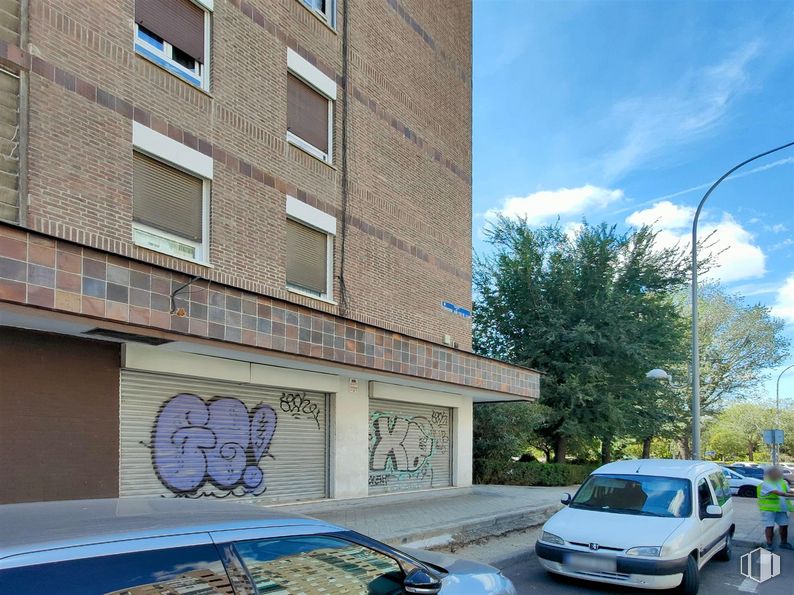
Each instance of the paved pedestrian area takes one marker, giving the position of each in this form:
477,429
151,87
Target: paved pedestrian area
438,517
749,530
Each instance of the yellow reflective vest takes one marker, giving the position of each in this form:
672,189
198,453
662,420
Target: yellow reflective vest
773,502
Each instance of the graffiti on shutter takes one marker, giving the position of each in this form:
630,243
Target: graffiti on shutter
194,438
406,450
220,443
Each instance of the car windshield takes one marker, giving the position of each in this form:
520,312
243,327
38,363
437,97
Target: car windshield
643,495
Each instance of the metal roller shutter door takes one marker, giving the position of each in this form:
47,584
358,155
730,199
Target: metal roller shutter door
410,446
185,436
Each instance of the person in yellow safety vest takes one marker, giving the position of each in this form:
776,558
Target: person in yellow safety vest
775,502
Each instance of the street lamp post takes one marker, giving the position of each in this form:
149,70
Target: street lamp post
775,446
696,452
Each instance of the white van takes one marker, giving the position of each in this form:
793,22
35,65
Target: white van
647,523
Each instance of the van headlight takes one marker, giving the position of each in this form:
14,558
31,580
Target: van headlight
644,550
552,538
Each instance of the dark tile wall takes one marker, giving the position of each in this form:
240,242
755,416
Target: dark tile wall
40,271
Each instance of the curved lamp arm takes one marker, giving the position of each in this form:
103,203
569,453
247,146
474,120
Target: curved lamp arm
695,345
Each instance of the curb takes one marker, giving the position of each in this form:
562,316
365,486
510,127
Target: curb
460,534
512,559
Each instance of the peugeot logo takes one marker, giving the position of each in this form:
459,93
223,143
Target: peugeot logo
594,547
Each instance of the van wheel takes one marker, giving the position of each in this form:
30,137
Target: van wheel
691,581
747,492
726,553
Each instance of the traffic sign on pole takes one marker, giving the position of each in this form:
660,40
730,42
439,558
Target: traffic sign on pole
773,437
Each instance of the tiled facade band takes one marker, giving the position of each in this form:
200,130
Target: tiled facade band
58,275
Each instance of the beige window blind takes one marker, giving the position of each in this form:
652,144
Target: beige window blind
307,113
307,258
179,22
167,198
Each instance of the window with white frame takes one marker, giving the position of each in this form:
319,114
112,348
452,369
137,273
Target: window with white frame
170,195
310,107
324,9
175,34
310,250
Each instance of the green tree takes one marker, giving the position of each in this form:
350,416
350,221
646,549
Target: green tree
737,432
739,342
503,430
592,310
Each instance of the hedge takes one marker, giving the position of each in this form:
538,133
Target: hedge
529,474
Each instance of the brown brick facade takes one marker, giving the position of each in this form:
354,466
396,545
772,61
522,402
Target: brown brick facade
406,223
408,242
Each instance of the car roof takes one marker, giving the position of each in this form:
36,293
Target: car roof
658,467
47,525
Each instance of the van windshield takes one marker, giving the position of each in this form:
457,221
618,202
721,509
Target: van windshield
644,495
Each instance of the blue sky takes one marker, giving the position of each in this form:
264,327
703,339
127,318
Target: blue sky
621,111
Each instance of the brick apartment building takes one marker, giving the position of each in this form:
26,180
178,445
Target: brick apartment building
235,249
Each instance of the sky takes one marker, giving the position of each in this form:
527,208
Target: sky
625,111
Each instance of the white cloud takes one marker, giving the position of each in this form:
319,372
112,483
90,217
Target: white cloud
646,125
573,229
784,303
778,228
784,244
664,215
546,205
734,251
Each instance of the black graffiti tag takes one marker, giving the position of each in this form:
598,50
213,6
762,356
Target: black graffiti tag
298,405
439,418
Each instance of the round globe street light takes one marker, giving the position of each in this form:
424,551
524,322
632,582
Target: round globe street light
659,374
696,453
776,446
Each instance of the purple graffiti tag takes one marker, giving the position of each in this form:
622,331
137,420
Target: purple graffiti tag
179,442
220,442
229,421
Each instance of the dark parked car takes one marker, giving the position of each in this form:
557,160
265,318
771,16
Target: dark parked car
747,471
147,546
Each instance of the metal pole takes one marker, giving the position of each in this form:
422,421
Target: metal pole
696,452
775,447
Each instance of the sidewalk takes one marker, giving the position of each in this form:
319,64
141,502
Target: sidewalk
441,517
749,531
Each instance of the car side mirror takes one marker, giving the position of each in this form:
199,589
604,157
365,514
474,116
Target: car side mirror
422,582
566,499
713,512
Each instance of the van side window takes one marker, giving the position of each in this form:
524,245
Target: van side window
704,497
195,569
721,486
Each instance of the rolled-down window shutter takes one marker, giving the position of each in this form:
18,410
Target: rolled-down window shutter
167,198
307,113
307,257
179,22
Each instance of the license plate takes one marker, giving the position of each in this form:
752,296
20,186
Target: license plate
585,563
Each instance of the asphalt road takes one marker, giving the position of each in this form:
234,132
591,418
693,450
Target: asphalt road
716,578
